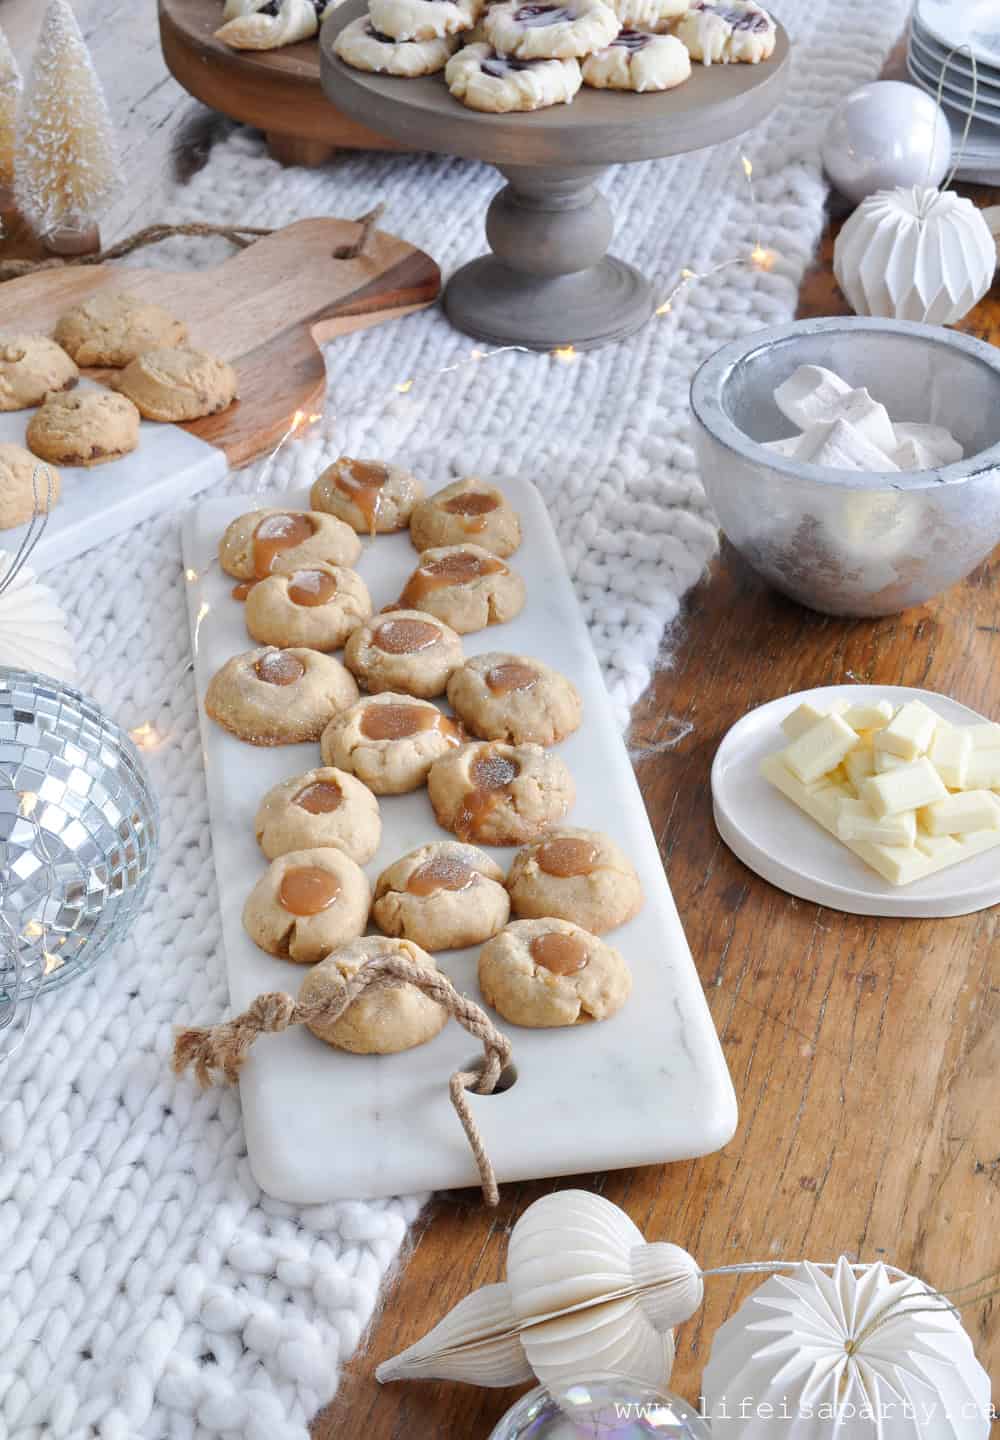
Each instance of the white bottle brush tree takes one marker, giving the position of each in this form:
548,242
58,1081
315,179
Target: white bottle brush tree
66,163
10,94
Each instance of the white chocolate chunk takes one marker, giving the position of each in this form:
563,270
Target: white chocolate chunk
869,717
820,749
961,814
805,716
839,445
910,731
908,788
787,446
895,863
950,751
885,762
983,770
856,822
860,765
914,455
935,438
809,394
985,737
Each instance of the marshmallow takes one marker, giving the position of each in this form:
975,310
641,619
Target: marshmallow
839,445
809,394
935,438
915,455
787,446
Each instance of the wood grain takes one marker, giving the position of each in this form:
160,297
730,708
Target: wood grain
267,309
864,1051
278,91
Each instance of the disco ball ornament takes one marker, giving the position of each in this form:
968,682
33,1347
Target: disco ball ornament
78,828
885,134
609,1408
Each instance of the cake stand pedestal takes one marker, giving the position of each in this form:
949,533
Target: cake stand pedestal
549,281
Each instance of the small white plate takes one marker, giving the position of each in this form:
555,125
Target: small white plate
975,23
784,846
932,65
958,64
988,114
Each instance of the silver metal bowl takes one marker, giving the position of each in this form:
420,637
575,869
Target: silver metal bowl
840,541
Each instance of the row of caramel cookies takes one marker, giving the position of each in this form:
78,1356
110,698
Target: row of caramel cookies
159,378
318,828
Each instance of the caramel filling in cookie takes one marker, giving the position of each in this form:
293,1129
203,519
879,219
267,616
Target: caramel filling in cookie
277,667
502,679
405,637
474,506
361,481
242,590
320,798
399,722
311,587
490,776
307,889
567,857
458,569
444,872
562,954
274,534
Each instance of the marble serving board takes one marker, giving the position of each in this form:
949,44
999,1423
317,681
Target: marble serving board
649,1085
169,466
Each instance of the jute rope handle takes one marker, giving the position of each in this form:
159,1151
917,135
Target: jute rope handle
239,235
221,1049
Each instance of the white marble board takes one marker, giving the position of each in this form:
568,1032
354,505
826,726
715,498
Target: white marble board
647,1086
168,466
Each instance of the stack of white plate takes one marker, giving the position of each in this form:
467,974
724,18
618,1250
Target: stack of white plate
938,27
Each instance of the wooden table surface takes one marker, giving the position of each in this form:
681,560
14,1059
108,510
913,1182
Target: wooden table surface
865,1052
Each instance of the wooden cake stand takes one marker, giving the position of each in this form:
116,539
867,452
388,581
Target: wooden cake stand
550,281
278,91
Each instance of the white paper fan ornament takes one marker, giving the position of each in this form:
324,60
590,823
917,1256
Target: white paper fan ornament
33,633
915,254
835,1356
585,1295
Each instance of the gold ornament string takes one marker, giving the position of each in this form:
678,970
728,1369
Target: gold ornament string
36,526
950,177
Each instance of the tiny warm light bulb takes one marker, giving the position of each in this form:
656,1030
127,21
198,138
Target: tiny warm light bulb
145,736
665,308
404,386
689,274
747,167
190,575
763,259
565,354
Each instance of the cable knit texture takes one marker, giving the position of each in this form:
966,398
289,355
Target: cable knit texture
147,1287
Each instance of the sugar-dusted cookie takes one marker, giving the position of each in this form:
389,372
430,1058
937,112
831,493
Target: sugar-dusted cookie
553,31
318,605
172,384
512,697
497,794
465,586
444,896
639,61
31,367
390,741
500,84
307,903
363,47
24,484
575,874
550,972
322,808
405,651
268,24
466,510
394,1017
279,697
423,19
374,499
716,33
651,16
112,327
89,427
269,542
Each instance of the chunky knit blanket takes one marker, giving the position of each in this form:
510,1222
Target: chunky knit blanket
147,1287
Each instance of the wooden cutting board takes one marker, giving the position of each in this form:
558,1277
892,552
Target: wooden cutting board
267,309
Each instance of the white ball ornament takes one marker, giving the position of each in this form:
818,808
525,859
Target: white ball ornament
859,1355
887,133
33,631
917,254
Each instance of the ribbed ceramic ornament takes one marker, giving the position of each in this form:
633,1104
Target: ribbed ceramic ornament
915,254
584,1295
815,1354
33,633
